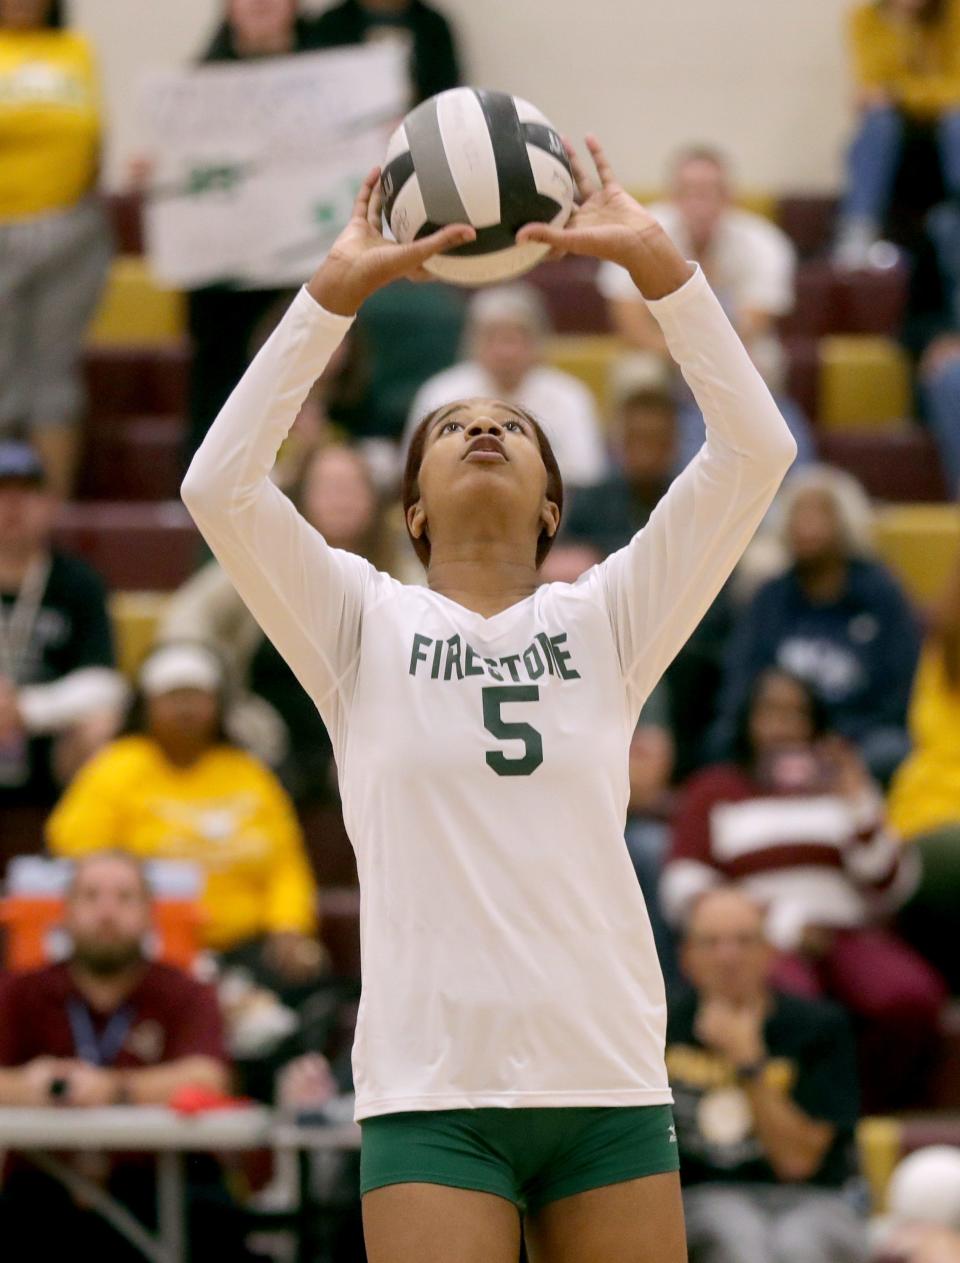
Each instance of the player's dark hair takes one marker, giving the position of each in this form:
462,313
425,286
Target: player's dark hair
743,751
410,483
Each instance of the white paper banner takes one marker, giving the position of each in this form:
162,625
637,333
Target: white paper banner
256,165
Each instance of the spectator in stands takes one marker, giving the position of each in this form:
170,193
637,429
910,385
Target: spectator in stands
107,1027
925,792
54,242
836,617
605,517
507,328
223,318
906,65
60,696
765,1102
175,788
273,715
434,62
749,262
797,821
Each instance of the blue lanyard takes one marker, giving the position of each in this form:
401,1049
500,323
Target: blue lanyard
104,1049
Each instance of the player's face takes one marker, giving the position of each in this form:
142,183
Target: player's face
26,514
23,15
482,458
338,497
108,914
813,531
725,953
261,21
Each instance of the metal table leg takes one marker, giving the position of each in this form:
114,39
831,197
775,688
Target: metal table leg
172,1207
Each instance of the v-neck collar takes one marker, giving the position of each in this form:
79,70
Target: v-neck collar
491,622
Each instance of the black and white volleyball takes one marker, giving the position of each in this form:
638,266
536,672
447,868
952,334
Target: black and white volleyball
477,157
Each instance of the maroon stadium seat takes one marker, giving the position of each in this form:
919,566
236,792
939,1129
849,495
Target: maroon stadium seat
569,288
126,217
803,373
137,380
149,547
833,301
132,458
892,465
808,220
340,929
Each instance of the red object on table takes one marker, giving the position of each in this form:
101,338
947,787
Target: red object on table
200,1100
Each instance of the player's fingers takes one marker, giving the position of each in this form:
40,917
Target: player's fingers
601,162
447,238
362,203
581,178
375,206
562,240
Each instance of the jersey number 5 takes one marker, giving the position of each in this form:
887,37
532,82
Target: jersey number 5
493,721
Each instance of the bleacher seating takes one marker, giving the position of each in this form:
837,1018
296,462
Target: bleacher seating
133,545
893,465
864,383
920,543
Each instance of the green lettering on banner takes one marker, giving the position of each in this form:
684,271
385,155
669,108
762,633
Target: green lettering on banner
562,657
453,659
418,652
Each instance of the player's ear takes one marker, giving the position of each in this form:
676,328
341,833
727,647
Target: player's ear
549,518
417,520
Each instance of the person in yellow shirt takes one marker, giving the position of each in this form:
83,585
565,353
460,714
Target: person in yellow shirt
906,68
175,788
55,245
924,801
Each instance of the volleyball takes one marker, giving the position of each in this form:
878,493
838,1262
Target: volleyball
478,157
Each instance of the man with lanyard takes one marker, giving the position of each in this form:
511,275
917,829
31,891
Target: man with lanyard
60,696
105,1027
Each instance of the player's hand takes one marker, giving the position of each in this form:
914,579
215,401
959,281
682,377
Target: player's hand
298,958
610,224
362,260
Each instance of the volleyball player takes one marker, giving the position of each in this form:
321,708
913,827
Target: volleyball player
509,1046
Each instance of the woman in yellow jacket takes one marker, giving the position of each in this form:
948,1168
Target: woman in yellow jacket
177,789
906,66
924,804
54,242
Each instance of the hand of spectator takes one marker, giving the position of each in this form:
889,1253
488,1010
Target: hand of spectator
734,1030
848,773
610,224
362,260
140,169
298,958
89,1086
11,721
871,98
306,1083
941,352
39,1076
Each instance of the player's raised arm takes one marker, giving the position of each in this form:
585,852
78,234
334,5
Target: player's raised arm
306,596
660,586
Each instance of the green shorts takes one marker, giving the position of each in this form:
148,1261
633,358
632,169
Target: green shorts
529,1156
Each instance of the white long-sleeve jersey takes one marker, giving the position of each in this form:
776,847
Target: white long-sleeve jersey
507,956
